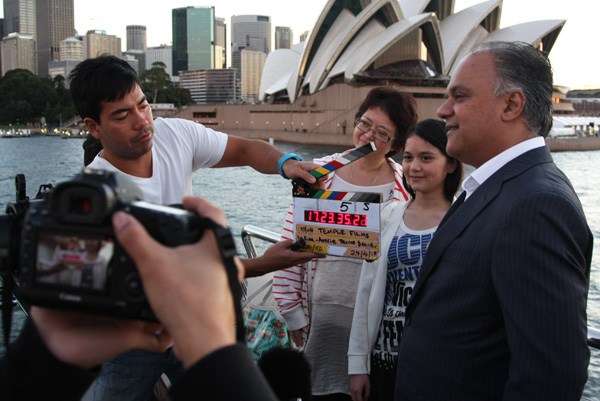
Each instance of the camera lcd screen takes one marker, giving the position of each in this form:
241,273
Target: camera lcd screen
73,262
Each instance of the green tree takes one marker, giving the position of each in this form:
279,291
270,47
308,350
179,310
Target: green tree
62,109
26,98
159,88
23,97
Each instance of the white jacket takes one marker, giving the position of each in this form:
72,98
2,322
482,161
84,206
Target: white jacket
370,296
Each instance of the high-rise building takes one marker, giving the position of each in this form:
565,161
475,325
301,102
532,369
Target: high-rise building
1,28
162,54
55,22
18,51
284,37
211,86
98,43
132,61
136,37
193,38
304,36
19,16
252,32
252,63
63,68
140,56
220,43
71,49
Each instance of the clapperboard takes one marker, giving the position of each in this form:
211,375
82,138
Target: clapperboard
338,223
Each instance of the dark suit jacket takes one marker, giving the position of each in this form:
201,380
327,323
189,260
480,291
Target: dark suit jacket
499,310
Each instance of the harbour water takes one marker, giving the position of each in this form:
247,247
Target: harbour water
252,198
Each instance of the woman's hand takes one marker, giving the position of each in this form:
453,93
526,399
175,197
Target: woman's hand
360,387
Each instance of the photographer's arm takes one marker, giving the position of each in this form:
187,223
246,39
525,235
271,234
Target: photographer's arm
197,311
53,353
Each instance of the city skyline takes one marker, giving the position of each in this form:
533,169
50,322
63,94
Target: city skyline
570,57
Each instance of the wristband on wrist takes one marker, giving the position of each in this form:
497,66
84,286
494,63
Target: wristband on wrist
284,158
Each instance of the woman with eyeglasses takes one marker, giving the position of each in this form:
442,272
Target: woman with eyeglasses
432,178
317,298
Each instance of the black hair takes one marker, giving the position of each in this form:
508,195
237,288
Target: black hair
399,107
101,79
434,132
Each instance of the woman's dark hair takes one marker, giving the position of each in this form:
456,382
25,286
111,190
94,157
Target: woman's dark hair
434,132
399,107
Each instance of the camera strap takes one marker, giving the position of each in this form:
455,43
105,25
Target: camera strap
228,251
8,285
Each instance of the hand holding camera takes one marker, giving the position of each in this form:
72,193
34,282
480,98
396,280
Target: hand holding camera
186,286
91,245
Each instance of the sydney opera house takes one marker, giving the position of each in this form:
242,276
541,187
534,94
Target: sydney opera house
309,93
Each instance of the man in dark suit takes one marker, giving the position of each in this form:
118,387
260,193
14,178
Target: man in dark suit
499,310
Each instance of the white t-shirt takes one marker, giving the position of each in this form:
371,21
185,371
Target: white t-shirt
179,148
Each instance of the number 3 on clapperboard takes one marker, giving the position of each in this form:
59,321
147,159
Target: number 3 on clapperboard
344,206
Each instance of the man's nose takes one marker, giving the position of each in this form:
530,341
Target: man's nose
445,109
141,118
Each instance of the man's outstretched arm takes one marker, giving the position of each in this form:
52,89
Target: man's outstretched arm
263,158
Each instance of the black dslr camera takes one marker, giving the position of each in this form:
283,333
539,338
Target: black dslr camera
61,251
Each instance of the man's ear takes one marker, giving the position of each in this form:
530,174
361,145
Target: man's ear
514,106
92,126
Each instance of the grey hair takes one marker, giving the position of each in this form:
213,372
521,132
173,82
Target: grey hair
520,66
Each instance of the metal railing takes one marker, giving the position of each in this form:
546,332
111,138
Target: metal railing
249,232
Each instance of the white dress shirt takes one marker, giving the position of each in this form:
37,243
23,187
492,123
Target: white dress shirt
487,169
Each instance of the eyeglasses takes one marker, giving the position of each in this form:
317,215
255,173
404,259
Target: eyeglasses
379,133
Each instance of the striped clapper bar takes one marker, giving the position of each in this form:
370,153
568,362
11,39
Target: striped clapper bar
338,223
343,160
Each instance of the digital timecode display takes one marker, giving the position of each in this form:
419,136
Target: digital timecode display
343,219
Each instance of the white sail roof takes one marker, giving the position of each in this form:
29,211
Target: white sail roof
330,12
372,29
416,7
351,37
457,27
341,35
534,33
378,45
477,36
279,67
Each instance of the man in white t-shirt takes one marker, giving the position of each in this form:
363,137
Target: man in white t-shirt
160,157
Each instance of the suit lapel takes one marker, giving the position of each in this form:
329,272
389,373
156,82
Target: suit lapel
463,215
